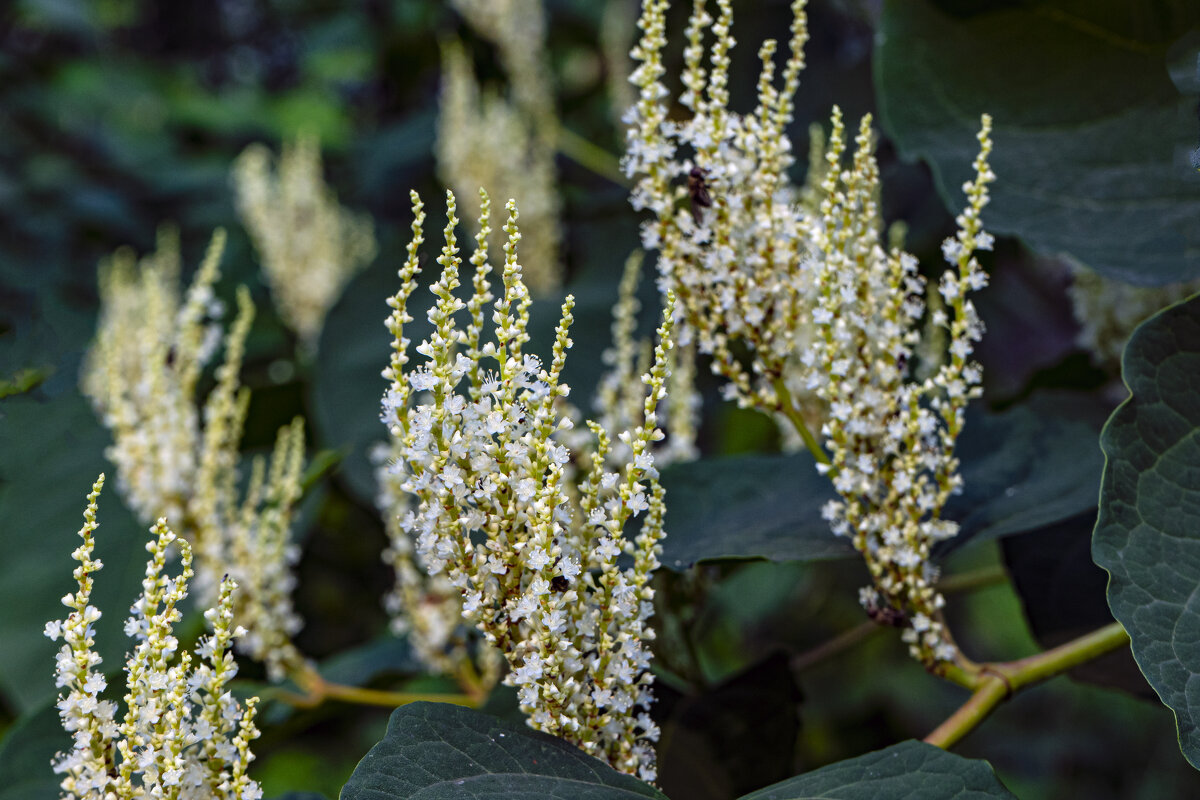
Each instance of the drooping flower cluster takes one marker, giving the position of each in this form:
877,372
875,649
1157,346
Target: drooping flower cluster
536,560
183,735
890,439
142,374
310,246
802,306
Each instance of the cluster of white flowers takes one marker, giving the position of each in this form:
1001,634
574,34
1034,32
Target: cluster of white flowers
142,374
142,369
891,439
731,244
183,735
536,559
309,245
799,277
428,608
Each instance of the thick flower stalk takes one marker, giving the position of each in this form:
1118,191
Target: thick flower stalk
538,571
310,246
142,374
804,308
183,734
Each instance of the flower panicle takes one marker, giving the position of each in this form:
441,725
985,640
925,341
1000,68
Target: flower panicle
494,511
173,740
891,439
808,282
309,245
178,461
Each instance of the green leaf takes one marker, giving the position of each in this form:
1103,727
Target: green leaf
1091,138
347,387
1148,533
1023,469
434,751
907,771
50,453
748,507
26,752
1032,466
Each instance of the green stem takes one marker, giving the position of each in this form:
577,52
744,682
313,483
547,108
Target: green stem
590,156
975,579
317,690
994,683
788,407
835,646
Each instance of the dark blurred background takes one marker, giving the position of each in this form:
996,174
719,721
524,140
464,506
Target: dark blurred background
119,115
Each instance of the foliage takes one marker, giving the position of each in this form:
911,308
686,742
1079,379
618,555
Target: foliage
1146,533
123,115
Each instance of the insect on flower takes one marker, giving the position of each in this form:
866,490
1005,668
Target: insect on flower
697,185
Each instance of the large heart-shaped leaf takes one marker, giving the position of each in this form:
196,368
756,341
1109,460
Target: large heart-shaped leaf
907,771
434,751
1024,469
1148,532
1091,142
50,453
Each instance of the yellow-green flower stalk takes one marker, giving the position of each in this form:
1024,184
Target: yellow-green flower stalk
309,245
141,374
428,608
802,279
479,453
183,735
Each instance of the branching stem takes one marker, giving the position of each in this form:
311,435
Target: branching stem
788,406
589,156
317,690
992,684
